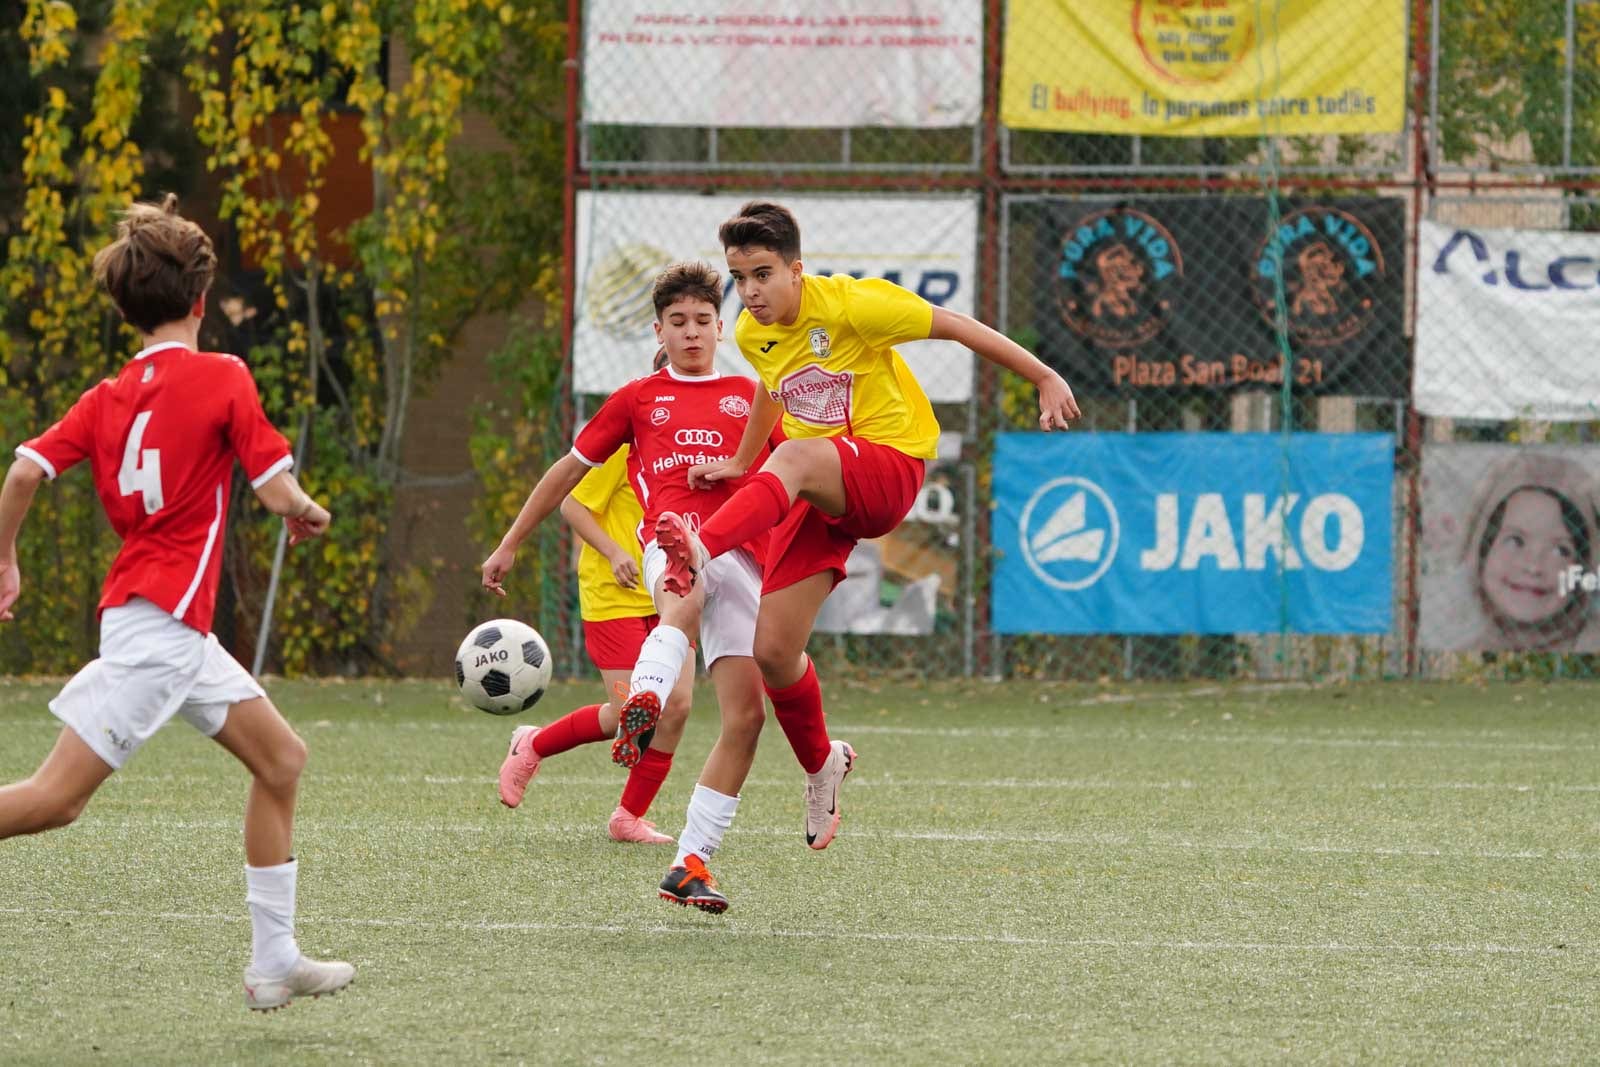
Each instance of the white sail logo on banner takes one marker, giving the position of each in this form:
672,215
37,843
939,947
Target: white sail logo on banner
1507,322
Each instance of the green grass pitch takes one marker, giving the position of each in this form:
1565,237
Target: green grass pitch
1025,874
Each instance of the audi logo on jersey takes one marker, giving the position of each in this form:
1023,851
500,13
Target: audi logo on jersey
703,438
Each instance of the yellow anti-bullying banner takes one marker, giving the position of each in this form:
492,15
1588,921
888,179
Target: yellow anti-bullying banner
1205,68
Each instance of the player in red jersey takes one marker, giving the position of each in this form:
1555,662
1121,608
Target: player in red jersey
672,420
161,438
860,432
618,614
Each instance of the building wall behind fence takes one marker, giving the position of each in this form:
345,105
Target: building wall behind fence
1169,210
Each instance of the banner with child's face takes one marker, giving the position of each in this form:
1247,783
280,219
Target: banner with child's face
1510,535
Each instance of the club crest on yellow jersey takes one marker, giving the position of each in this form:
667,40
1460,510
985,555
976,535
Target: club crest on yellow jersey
821,344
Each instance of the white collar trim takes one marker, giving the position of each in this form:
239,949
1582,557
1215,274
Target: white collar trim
158,347
691,377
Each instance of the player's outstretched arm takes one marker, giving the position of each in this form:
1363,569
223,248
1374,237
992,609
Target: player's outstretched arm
583,522
562,478
764,415
305,518
1056,403
16,496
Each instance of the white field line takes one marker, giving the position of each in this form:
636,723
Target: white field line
312,780
731,929
523,828
1065,732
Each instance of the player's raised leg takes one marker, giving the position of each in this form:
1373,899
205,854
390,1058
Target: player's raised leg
275,756
782,630
806,469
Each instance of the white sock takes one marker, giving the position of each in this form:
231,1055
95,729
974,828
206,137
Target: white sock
660,662
710,815
270,893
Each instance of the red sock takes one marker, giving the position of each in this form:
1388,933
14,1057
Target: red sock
799,711
756,508
644,781
581,727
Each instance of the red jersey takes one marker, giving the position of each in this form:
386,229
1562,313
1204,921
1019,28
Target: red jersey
161,438
673,422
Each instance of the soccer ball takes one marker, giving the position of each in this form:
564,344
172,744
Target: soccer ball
503,666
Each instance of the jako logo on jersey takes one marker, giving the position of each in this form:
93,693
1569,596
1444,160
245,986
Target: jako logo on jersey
1069,533
664,398
703,438
735,407
820,344
659,417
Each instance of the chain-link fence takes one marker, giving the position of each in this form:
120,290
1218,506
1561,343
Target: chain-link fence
1313,271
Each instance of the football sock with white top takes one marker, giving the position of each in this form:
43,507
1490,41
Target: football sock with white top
270,894
660,662
710,815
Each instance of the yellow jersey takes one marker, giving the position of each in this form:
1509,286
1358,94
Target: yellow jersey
606,492
834,369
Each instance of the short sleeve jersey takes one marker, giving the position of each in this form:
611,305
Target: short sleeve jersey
161,438
673,422
607,492
835,369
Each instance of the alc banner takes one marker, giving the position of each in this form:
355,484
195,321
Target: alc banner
827,63
1170,533
1182,293
1508,324
1223,68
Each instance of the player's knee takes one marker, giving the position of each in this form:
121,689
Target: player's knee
283,769
679,612
801,449
676,709
795,455
742,724
775,658
52,810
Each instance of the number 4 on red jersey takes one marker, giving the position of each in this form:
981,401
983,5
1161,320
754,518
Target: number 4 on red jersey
161,438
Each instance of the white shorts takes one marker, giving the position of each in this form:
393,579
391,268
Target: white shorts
151,667
733,594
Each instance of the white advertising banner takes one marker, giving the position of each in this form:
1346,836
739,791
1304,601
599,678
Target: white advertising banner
1508,324
824,63
926,243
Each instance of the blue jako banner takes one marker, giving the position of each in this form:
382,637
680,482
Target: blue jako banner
1167,533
